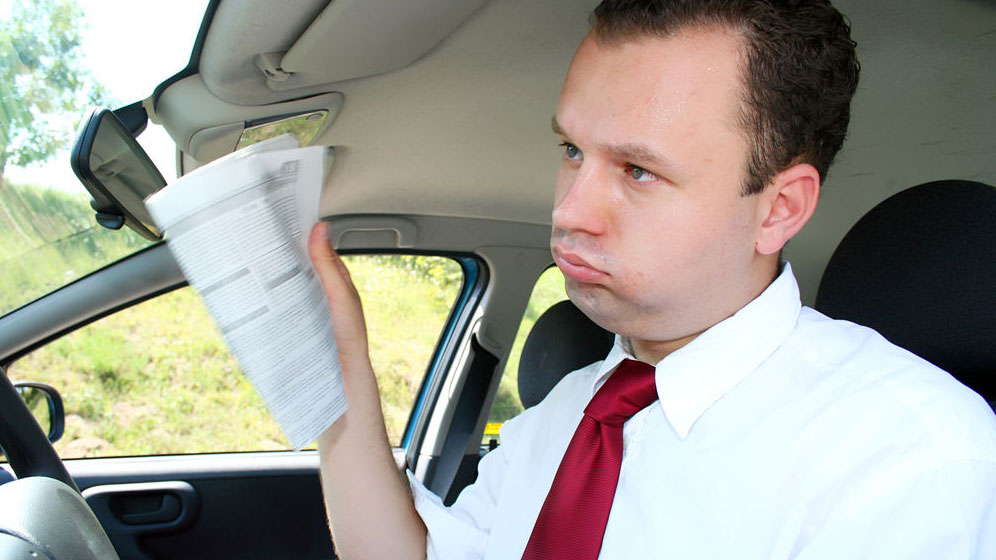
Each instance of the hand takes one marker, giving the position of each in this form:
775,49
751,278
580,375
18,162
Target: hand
348,323
365,497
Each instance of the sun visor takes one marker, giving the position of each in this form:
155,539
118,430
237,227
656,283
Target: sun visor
358,38
215,128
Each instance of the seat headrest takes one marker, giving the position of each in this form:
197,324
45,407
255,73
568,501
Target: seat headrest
920,268
562,340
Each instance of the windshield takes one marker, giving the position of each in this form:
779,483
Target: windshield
58,58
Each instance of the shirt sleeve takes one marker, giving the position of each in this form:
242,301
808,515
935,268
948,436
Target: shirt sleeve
947,513
461,531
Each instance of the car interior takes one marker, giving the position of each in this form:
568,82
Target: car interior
438,112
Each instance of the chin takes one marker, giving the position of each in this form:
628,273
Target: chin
623,318
591,300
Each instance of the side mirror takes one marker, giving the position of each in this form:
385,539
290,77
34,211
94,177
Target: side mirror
45,405
117,172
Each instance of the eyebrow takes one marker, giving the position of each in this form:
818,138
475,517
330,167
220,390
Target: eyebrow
638,153
556,126
631,152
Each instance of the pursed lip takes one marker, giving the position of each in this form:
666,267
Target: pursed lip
576,268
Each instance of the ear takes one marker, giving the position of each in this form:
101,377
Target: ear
790,201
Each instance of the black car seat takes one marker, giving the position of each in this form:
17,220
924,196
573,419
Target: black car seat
562,340
920,268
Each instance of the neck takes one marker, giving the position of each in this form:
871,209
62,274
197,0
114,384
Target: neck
653,351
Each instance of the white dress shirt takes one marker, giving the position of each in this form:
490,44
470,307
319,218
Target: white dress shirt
779,433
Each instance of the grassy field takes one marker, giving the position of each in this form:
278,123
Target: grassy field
157,378
49,238
549,290
153,379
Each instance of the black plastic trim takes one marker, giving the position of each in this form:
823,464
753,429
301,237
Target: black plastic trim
44,300
193,65
462,427
432,385
23,441
134,117
110,213
56,411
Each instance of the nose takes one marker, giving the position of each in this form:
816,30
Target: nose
581,200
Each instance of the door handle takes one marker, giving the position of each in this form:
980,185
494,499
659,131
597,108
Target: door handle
144,507
168,509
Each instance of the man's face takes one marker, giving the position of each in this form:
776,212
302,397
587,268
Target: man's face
650,228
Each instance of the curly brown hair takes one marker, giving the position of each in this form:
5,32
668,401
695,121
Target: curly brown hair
800,71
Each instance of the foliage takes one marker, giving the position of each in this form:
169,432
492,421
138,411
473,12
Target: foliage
37,402
304,128
49,238
438,272
157,378
549,290
405,308
42,79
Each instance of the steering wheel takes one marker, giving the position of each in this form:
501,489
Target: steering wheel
43,512
27,447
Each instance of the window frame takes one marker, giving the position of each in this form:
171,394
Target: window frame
458,319
475,282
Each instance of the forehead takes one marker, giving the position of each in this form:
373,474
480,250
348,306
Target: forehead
653,84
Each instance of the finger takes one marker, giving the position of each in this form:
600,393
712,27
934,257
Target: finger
344,300
331,270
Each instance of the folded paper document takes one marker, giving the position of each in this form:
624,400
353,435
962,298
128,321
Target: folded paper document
238,228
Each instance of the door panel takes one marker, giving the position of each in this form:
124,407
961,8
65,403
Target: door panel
240,505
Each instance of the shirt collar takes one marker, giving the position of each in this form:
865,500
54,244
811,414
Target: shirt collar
693,378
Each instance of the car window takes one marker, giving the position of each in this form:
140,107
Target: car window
549,289
157,378
56,60
49,238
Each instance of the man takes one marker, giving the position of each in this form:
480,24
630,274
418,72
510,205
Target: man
696,135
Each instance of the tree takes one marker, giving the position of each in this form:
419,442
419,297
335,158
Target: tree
42,81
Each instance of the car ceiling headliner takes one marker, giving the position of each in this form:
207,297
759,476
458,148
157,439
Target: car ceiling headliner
464,131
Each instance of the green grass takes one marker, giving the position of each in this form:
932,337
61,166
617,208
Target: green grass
549,290
49,238
157,378
405,309
153,379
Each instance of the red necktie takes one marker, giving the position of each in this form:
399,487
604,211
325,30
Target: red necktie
571,524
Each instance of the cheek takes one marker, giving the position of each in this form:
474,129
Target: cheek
654,247
671,241
730,251
563,181
664,228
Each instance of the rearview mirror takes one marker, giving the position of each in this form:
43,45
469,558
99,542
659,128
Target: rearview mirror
45,405
117,172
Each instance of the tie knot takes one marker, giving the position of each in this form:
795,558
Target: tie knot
629,389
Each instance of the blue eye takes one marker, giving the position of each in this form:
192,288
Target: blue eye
571,151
